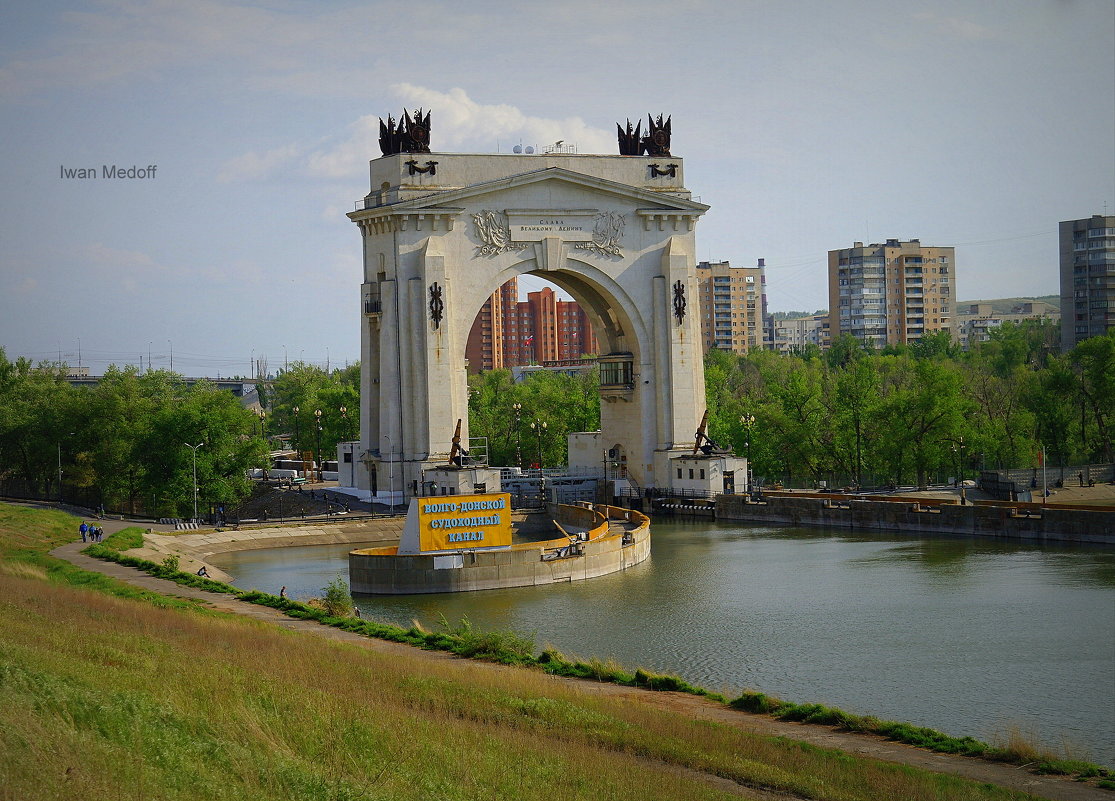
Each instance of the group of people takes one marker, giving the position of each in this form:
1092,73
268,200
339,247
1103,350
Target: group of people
90,532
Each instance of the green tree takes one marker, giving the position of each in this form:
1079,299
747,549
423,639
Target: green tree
922,411
855,404
1094,361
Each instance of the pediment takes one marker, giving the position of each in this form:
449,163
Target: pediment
644,199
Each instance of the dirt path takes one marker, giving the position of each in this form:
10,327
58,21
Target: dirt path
1015,778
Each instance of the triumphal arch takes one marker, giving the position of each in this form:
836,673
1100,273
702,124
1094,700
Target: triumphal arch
442,231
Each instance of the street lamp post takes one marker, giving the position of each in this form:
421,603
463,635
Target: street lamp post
961,471
748,423
538,426
194,449
317,416
517,410
295,410
263,436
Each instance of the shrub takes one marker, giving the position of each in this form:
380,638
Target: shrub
336,601
171,563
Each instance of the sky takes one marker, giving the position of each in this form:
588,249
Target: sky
804,125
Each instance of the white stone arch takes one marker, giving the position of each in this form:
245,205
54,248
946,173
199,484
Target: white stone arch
425,247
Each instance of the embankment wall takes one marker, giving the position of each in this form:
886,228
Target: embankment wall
1021,521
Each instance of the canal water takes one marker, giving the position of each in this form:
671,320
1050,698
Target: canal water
970,636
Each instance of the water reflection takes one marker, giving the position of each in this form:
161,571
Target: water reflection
969,636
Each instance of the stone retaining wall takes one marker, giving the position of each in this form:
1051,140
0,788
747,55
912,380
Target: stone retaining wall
380,571
1023,521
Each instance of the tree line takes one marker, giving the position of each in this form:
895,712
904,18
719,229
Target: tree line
916,413
124,443
850,415
128,443
855,415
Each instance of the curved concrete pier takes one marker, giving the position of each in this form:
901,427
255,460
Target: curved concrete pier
613,539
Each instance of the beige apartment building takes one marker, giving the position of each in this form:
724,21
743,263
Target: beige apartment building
891,293
733,304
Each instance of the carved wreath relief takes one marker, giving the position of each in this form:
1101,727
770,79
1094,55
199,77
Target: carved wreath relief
437,305
605,235
493,229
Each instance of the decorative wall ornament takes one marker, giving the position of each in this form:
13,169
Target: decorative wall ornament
410,135
670,171
657,140
630,141
655,143
437,305
605,235
494,231
431,167
679,301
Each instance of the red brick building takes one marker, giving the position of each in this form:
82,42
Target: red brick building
508,332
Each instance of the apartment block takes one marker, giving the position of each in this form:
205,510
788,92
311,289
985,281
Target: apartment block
891,293
1087,278
509,332
974,321
733,306
792,334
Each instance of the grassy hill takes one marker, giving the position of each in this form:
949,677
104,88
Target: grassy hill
107,692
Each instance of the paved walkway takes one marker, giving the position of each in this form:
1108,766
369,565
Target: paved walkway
691,706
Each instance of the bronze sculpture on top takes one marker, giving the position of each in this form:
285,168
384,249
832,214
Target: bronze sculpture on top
655,143
411,135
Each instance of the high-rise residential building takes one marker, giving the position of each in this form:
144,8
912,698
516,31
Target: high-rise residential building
891,293
1087,278
733,306
509,332
793,334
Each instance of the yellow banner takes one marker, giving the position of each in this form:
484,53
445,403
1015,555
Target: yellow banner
459,522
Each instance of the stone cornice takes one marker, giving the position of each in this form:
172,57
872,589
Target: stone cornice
665,219
385,221
589,182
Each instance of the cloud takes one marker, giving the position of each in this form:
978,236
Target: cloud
255,166
958,27
128,268
113,41
101,254
459,124
26,286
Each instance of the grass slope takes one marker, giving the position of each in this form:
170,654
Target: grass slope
107,694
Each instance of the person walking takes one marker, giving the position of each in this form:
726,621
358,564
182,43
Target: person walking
84,529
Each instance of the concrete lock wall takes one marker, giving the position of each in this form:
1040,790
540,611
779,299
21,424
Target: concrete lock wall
381,571
1026,521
